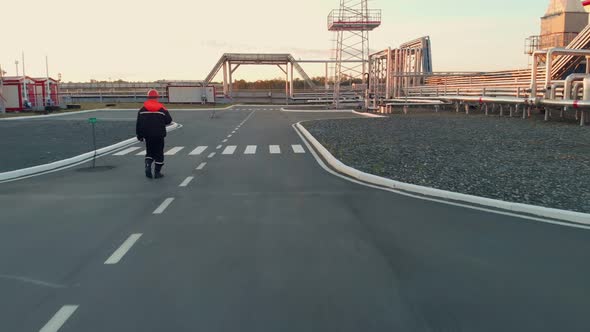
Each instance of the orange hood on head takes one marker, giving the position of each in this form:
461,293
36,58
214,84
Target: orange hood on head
152,105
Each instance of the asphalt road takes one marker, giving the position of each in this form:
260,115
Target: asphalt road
270,242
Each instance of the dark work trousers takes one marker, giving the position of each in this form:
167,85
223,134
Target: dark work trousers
155,149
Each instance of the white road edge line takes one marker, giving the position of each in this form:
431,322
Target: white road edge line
123,249
163,206
201,166
59,319
186,181
303,136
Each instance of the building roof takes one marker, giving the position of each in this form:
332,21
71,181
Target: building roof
43,79
564,6
15,78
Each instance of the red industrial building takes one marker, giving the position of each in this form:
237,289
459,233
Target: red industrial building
23,92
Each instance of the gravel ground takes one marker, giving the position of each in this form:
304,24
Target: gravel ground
545,164
30,143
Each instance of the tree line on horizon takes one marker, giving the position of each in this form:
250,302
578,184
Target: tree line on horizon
269,84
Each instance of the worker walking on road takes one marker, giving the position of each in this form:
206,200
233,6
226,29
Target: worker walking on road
152,120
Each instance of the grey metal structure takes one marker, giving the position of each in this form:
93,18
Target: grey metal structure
391,71
352,23
230,62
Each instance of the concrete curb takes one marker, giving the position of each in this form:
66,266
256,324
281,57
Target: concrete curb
556,214
70,162
369,115
44,116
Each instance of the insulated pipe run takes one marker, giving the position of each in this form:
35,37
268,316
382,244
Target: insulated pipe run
559,51
534,71
567,92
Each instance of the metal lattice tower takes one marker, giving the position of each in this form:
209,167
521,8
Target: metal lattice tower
351,23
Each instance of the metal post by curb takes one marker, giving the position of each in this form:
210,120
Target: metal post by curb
93,122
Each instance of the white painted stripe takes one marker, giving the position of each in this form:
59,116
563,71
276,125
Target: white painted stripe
229,136
211,155
219,147
230,149
274,149
233,132
198,151
59,319
127,151
225,140
142,153
163,206
297,148
174,151
201,166
186,181
123,249
250,149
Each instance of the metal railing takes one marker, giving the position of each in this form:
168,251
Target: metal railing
339,19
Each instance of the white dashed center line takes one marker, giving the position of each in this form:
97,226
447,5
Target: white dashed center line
224,141
163,206
59,319
186,181
229,136
211,155
219,147
201,166
123,249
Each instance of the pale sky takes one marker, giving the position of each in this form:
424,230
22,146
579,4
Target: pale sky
183,39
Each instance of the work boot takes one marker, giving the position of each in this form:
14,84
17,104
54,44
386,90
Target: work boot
159,174
148,168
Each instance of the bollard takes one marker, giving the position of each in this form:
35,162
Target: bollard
501,110
93,122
